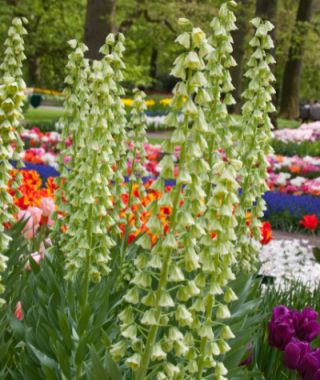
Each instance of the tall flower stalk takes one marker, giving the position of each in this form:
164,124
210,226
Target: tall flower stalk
11,99
217,247
220,60
137,136
74,120
254,144
88,247
115,49
165,273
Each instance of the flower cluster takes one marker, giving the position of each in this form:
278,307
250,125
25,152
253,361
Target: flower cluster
307,132
136,169
292,331
46,140
31,189
254,146
11,99
156,308
291,175
294,175
288,261
87,196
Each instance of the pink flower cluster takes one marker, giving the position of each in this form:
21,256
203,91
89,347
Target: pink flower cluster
289,174
306,132
286,174
40,156
36,216
34,137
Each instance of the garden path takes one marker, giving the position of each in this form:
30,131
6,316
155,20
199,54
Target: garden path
282,235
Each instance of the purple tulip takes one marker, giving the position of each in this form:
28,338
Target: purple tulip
281,329
306,325
294,354
310,366
280,312
280,333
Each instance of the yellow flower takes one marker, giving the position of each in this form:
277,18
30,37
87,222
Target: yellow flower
150,102
127,102
165,101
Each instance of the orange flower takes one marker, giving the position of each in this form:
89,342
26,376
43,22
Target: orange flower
248,218
295,169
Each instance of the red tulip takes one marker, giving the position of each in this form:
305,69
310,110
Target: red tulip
310,222
266,233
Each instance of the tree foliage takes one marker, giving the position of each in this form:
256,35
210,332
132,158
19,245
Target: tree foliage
150,28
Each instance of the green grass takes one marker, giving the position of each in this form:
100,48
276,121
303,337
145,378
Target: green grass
282,123
154,140
41,114
45,115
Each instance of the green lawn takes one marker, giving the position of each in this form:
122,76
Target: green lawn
47,114
282,123
154,140
42,114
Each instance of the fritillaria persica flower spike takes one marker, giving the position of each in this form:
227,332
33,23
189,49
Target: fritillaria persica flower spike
217,247
137,158
11,99
158,324
88,247
74,120
254,143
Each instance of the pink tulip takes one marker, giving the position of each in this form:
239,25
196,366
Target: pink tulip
38,255
18,311
36,214
47,206
30,228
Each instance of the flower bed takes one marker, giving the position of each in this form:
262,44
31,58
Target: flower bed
306,132
154,280
294,181
288,261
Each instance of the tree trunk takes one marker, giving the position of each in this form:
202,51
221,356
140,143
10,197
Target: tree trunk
292,72
267,10
239,37
154,63
34,70
99,23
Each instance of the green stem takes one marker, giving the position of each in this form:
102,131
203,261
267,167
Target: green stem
203,343
141,373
